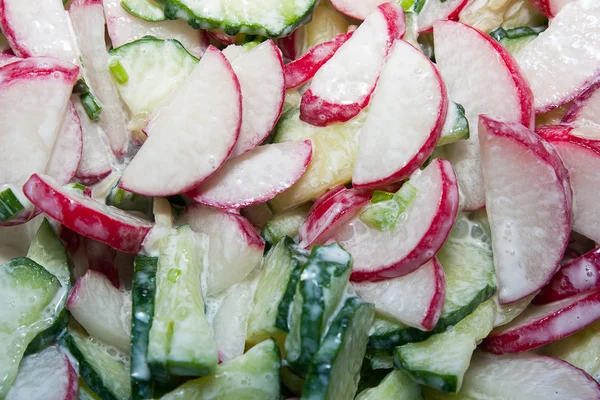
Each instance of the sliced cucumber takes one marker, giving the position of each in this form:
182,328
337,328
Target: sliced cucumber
384,210
387,333
515,39
128,201
322,284
48,250
154,68
180,341
253,376
380,359
441,361
85,393
270,18
285,224
275,292
505,313
10,206
142,295
28,293
149,10
334,153
102,367
396,385
334,371
456,126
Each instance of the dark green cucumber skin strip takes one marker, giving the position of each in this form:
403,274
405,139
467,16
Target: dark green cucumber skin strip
283,310
10,206
514,33
142,296
443,383
399,337
47,337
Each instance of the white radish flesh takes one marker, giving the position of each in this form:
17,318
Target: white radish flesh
66,154
435,10
358,9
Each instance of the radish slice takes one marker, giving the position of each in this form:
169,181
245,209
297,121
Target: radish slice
329,212
435,10
193,132
405,119
579,149
88,22
585,108
88,217
102,258
419,233
343,86
525,376
260,73
6,58
357,9
577,276
235,248
547,61
550,7
255,177
468,60
124,28
48,375
66,153
528,201
303,69
38,29
415,299
540,325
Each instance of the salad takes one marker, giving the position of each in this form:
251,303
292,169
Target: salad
280,199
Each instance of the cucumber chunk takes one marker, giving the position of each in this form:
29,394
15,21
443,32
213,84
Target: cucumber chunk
270,18
10,206
275,292
155,68
180,340
142,295
128,201
441,361
252,376
456,126
380,359
285,224
396,385
322,284
28,293
334,371
104,373
515,39
85,393
149,10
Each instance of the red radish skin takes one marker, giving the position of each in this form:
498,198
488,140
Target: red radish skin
434,11
585,107
222,38
67,150
320,105
289,46
102,258
87,217
329,212
415,299
574,278
255,177
301,70
540,325
550,7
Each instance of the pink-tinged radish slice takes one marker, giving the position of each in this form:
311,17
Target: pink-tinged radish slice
38,29
585,108
329,212
415,299
260,73
343,85
34,95
550,7
405,119
528,202
579,149
540,325
88,217
192,132
8,58
223,38
235,248
290,46
102,258
434,11
66,154
468,61
255,177
124,28
49,375
577,276
548,61
303,69
96,157
357,9
526,376
419,233
88,23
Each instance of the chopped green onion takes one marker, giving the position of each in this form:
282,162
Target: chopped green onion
81,86
385,208
118,71
10,206
407,4
379,196
405,196
91,105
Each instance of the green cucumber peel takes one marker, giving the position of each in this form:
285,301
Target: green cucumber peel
10,206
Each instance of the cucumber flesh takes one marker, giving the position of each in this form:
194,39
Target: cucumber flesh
128,201
252,376
180,340
275,292
441,361
285,224
456,126
145,9
322,284
515,39
28,292
396,385
103,368
380,359
142,295
334,371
